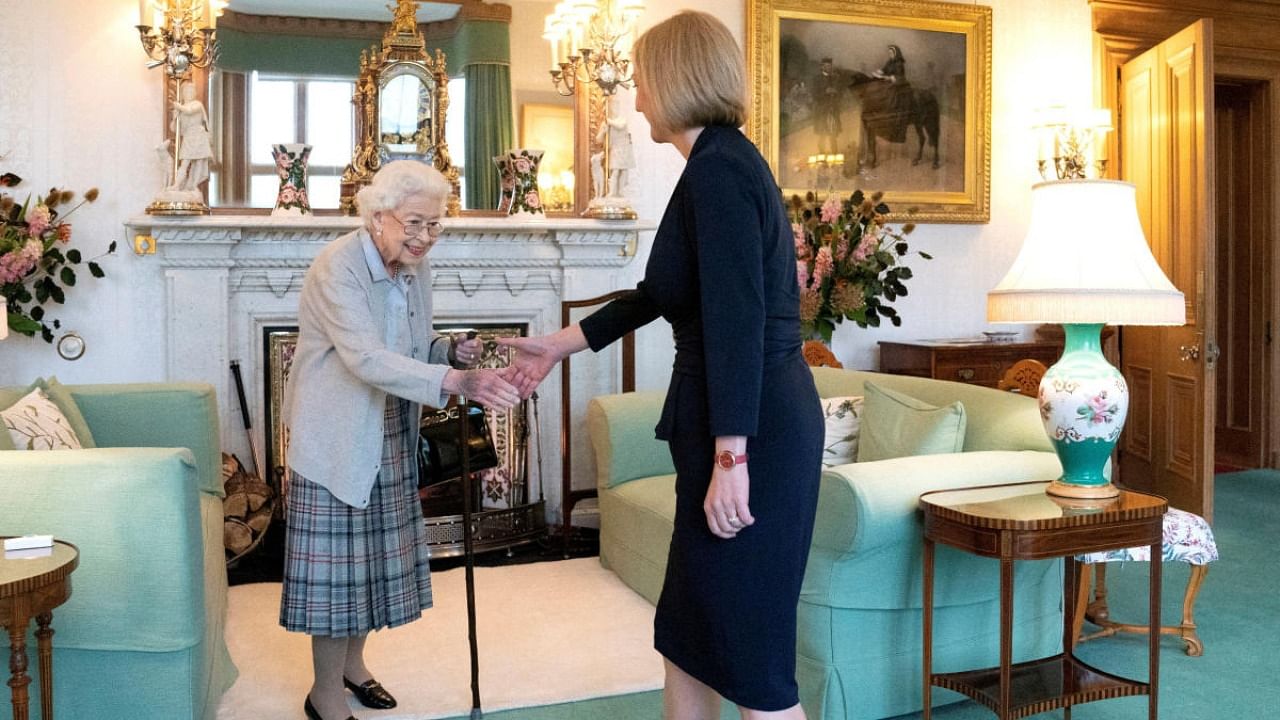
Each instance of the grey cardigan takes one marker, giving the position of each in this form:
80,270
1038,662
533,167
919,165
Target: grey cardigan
342,371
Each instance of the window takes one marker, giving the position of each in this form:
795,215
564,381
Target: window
314,111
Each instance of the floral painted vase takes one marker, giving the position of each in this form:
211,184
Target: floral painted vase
291,166
1083,403
518,170
506,182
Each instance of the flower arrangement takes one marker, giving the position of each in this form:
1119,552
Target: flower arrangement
36,260
848,262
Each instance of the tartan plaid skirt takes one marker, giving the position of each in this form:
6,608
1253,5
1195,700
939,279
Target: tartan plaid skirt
349,570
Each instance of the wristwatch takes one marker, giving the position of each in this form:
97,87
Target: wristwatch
726,459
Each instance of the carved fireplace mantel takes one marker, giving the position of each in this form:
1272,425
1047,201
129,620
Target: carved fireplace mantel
224,278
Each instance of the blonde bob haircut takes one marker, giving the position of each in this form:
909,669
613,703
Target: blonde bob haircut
396,182
692,73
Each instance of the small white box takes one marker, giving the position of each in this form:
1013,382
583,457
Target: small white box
26,542
28,554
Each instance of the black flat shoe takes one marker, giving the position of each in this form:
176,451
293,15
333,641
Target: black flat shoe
313,714
371,694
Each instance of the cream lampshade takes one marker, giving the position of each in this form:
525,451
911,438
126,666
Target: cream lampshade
1085,263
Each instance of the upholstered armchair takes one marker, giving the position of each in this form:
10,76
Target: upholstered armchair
859,643
142,633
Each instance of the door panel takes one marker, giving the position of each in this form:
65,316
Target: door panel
1166,151
1243,222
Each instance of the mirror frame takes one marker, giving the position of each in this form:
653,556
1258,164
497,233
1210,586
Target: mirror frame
403,52
589,111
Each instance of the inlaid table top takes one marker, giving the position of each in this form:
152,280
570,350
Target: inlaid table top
19,576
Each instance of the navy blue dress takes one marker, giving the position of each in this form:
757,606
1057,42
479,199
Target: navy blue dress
723,273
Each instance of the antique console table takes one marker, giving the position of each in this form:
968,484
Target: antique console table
1021,522
31,588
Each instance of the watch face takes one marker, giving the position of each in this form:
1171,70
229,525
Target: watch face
724,459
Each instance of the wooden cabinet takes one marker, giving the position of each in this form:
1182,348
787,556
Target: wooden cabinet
969,361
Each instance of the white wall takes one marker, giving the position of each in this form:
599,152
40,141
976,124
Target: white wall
78,108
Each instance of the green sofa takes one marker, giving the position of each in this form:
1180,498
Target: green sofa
142,634
859,641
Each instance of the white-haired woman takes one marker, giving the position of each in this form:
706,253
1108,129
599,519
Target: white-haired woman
723,272
366,362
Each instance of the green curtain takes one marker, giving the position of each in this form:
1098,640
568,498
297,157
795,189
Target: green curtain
489,131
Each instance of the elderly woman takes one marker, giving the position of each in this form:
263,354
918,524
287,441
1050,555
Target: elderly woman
741,418
367,360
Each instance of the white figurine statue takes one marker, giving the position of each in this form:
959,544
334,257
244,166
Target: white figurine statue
191,125
621,154
610,167
183,174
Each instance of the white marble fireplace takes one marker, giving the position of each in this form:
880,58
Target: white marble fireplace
222,279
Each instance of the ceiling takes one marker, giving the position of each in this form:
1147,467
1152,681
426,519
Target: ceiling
341,9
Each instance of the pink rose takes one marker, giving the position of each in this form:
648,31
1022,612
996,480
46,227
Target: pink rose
823,265
38,220
288,195
532,200
522,166
802,274
831,209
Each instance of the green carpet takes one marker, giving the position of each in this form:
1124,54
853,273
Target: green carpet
1237,616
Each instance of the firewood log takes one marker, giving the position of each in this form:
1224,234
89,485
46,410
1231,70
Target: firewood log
236,536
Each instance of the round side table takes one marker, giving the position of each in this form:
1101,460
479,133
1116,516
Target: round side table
31,587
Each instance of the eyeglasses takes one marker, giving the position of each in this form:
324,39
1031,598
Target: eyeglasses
414,228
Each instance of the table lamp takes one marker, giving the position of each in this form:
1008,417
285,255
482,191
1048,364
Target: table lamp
1085,263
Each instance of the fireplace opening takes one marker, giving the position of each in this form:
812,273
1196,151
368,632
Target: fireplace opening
508,498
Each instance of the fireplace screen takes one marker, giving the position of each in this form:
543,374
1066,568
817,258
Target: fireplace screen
505,486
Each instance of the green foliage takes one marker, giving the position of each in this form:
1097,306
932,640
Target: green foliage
37,263
848,262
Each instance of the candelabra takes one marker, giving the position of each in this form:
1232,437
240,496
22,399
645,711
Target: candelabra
590,43
824,167
1075,145
179,36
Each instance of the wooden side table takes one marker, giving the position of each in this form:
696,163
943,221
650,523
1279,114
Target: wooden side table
1021,522
32,588
968,361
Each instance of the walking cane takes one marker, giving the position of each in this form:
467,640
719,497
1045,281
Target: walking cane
469,552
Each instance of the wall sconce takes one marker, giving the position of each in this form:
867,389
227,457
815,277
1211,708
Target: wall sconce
179,36
1075,142
590,40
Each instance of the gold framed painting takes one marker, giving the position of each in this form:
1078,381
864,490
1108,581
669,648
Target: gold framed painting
888,95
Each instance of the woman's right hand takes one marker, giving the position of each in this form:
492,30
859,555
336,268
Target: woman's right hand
487,387
536,356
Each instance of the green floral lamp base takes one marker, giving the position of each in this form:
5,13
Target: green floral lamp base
1083,402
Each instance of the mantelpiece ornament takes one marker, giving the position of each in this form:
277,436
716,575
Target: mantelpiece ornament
402,59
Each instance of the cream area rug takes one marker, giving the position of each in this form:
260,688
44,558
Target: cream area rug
549,632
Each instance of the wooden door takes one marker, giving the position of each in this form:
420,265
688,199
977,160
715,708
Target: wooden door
1166,149
1241,118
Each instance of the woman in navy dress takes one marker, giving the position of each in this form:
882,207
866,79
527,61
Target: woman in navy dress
742,417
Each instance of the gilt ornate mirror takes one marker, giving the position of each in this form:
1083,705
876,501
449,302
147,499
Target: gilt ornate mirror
288,72
402,99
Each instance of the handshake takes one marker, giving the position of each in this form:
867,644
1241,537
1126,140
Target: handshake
532,359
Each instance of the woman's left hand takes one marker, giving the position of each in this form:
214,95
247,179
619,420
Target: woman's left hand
467,352
727,499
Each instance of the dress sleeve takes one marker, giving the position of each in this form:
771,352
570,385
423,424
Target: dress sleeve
633,310
726,210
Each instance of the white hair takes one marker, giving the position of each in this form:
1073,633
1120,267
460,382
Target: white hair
396,182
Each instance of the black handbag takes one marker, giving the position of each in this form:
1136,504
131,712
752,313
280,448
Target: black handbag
440,444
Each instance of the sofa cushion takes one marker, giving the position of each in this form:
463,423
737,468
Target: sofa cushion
67,419
841,418
895,425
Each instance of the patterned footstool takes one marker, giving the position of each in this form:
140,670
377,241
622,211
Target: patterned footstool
1187,538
